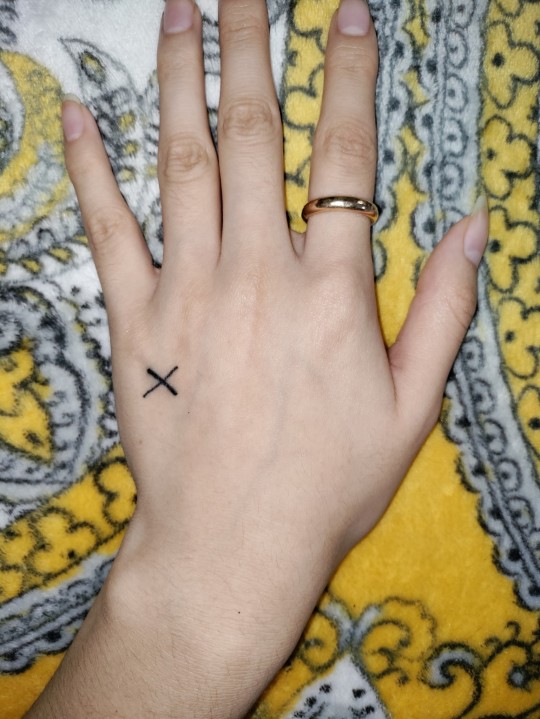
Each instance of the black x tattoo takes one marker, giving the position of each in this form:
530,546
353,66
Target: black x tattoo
161,381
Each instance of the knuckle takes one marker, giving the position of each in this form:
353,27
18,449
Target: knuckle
352,61
461,304
347,142
432,414
103,227
249,307
237,28
183,158
249,120
173,64
251,287
336,306
83,167
417,420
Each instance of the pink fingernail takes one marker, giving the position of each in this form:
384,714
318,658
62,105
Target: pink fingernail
178,16
476,234
353,17
72,117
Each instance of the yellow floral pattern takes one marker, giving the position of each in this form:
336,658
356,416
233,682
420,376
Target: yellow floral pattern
510,173
23,419
38,548
512,64
434,613
487,676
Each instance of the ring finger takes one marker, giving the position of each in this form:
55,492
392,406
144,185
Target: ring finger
344,148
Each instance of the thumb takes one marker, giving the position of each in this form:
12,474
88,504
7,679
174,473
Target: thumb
439,317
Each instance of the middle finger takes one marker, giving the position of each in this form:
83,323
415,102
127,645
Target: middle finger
250,133
187,162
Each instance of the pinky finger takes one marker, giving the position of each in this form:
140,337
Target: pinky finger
120,253
438,319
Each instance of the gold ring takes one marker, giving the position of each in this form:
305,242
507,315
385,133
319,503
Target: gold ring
324,204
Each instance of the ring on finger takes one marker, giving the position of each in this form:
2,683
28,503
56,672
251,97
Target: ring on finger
326,204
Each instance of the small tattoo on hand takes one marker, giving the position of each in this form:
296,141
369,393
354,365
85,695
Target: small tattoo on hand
162,381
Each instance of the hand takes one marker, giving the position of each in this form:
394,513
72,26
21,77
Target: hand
266,424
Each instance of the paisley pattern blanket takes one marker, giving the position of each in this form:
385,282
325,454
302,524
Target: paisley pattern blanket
436,614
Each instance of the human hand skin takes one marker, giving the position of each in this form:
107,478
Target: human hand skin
293,424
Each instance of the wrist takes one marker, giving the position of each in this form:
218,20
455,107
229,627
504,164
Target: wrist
199,650
134,658
216,611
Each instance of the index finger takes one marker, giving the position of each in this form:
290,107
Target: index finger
121,255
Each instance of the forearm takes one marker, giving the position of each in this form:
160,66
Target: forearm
127,664
195,647
266,423
115,668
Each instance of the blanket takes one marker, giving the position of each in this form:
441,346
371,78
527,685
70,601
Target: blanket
436,614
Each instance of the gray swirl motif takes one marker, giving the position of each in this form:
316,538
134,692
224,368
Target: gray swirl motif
497,462
63,314
344,686
49,320
63,228
8,17
345,694
393,107
108,90
482,418
45,622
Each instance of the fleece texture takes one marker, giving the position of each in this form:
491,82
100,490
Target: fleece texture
435,615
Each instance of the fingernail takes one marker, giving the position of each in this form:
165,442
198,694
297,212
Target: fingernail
476,234
178,16
72,117
353,17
